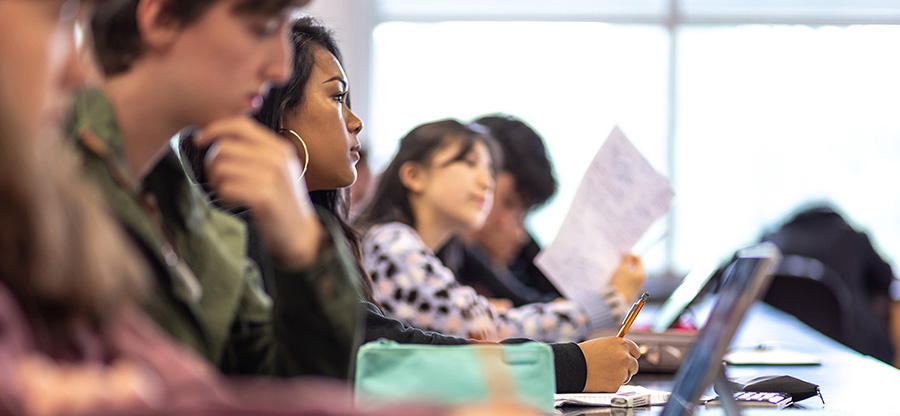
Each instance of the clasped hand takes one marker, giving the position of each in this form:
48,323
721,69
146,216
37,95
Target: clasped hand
247,164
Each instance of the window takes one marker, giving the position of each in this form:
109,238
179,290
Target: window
749,119
773,116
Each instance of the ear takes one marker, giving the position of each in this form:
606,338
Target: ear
157,27
413,176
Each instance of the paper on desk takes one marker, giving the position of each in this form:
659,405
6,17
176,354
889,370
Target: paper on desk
620,196
657,397
770,356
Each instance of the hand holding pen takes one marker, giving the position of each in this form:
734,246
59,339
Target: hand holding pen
632,314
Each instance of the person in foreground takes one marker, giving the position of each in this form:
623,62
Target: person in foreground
72,340
206,63
314,105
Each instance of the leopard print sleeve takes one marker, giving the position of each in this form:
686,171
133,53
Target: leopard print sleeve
415,287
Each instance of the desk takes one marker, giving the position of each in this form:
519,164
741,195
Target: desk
851,383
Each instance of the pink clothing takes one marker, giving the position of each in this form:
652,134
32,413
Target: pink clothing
171,380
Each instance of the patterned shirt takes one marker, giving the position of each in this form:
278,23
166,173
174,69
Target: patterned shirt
414,286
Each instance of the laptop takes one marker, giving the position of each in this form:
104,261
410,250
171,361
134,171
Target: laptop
683,296
662,349
744,281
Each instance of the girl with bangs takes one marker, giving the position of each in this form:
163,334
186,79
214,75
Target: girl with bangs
440,184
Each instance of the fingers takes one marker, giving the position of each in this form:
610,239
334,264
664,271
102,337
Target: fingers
230,157
247,163
632,349
629,277
611,362
241,127
632,263
632,366
501,304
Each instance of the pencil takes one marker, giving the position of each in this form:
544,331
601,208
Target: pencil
632,314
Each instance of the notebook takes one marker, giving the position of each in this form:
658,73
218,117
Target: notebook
657,397
744,282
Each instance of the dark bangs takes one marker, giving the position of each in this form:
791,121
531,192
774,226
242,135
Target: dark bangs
473,133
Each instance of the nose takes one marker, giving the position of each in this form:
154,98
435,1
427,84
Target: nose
521,234
278,69
73,71
354,123
486,179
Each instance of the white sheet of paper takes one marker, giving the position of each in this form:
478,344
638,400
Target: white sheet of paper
620,196
657,397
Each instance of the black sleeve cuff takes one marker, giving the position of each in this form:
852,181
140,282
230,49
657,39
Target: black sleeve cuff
571,367
380,326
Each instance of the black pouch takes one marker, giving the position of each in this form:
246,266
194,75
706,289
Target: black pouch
798,389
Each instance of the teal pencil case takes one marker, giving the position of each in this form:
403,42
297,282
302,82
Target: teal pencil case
388,372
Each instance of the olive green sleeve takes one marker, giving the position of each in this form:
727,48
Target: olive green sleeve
314,323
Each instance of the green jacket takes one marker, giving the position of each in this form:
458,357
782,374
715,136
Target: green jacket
206,292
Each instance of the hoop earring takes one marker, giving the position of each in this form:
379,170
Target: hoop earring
305,149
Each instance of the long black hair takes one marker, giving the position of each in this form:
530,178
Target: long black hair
307,33
390,200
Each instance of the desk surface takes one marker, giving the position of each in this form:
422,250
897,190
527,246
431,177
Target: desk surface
850,383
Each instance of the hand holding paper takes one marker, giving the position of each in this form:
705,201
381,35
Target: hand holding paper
628,278
620,196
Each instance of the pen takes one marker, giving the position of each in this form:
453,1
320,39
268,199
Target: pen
632,313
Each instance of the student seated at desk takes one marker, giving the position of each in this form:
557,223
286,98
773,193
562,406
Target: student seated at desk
498,258
311,112
72,339
172,64
819,232
440,184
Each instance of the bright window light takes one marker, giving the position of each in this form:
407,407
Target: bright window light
770,117
572,81
766,117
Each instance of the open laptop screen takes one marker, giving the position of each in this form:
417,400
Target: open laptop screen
745,280
682,297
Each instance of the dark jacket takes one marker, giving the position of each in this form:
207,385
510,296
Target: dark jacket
522,283
207,292
822,234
